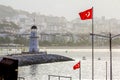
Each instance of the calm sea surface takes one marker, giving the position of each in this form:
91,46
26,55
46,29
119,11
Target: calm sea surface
41,71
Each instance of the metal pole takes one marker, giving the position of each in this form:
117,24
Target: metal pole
7,49
110,46
58,77
92,46
106,70
48,77
110,56
80,71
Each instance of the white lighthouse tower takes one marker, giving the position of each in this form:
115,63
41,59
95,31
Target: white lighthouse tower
33,47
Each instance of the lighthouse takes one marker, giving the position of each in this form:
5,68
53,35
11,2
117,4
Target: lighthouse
33,46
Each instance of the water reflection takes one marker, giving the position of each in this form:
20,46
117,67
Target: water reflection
33,70
41,71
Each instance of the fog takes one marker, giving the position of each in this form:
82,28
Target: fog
67,8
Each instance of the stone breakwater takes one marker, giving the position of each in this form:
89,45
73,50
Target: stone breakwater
29,59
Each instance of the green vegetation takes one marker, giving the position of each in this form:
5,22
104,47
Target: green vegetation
82,42
4,40
21,40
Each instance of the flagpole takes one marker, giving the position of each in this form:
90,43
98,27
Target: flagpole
92,46
80,71
110,40
88,14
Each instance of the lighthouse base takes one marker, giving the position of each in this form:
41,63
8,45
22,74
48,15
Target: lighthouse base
34,52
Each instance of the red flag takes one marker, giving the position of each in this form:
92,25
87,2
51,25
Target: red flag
87,14
76,66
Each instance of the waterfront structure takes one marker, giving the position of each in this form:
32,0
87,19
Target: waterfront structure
33,47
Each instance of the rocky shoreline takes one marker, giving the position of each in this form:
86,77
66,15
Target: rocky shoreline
29,59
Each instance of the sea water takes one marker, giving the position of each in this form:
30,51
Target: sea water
101,56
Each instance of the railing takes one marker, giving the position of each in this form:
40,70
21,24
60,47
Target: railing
49,76
21,78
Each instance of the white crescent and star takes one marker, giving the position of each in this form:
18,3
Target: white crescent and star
87,14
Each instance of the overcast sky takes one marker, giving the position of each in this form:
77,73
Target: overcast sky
67,8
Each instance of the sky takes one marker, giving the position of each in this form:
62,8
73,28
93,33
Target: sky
67,8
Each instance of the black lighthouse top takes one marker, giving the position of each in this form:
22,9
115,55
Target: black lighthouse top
34,27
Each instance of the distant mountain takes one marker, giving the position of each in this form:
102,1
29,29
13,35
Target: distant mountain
7,11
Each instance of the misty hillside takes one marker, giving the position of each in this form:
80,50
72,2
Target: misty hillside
6,11
60,24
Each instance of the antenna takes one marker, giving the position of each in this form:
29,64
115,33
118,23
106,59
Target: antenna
34,20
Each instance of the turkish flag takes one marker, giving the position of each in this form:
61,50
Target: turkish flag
76,66
87,14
